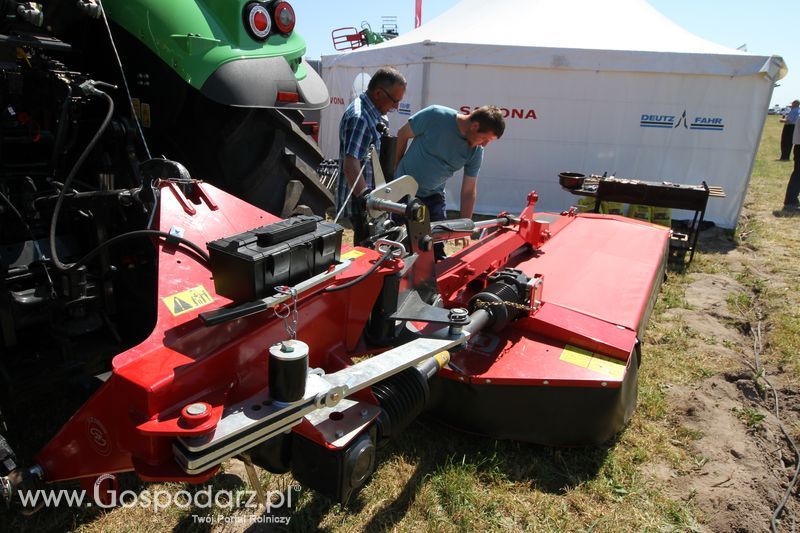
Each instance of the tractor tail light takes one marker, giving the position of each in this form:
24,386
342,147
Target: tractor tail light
284,17
257,20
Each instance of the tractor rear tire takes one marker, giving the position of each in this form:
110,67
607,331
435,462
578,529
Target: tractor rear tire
250,152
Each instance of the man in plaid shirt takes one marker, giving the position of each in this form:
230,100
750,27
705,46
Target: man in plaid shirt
358,129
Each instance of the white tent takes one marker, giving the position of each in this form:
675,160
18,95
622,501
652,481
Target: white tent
588,86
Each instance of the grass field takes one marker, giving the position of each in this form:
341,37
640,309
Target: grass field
432,478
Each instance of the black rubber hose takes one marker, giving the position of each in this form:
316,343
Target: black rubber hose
143,233
19,216
363,276
54,223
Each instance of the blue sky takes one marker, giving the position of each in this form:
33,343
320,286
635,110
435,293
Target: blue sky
767,27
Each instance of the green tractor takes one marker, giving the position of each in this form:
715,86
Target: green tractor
217,85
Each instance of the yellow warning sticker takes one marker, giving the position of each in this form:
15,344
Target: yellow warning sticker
593,361
137,107
576,356
146,115
352,254
187,300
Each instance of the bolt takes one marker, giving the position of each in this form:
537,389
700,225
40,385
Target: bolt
339,433
364,413
426,243
458,315
197,409
286,347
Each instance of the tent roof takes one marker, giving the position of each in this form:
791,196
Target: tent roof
628,35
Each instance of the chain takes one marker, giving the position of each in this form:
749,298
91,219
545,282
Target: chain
288,309
515,305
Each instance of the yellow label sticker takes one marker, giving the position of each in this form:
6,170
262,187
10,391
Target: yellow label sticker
595,362
187,300
146,115
576,356
137,107
352,254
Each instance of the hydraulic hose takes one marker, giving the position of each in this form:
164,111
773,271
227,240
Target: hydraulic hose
142,233
125,236
363,276
54,223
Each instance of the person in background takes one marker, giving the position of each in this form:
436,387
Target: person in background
789,122
358,129
791,202
443,142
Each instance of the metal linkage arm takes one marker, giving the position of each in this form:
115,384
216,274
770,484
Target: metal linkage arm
259,418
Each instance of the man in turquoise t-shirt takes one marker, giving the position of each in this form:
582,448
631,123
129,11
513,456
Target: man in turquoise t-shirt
445,141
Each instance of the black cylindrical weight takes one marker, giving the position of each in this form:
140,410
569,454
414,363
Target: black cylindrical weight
288,369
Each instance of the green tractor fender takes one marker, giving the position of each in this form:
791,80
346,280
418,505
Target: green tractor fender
207,43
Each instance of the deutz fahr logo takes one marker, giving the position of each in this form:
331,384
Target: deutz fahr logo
676,121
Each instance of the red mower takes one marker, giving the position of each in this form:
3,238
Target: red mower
273,341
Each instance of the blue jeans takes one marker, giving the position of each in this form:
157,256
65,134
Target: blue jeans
436,207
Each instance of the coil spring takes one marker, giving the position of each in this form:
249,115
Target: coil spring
402,398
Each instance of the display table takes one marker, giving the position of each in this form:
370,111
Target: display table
656,194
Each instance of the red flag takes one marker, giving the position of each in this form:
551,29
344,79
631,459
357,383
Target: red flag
418,14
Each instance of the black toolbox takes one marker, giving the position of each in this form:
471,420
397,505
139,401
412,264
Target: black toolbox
249,266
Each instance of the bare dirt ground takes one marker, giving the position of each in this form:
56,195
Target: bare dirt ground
743,462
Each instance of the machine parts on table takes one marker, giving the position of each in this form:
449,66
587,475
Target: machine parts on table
613,191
